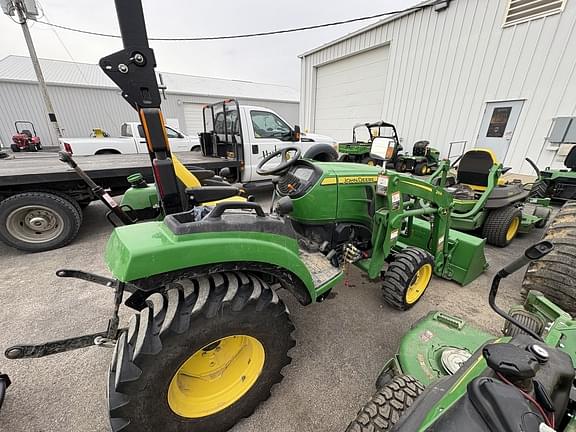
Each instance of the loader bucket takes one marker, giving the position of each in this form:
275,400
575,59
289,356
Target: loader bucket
464,260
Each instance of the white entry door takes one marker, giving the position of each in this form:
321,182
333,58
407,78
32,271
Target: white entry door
497,127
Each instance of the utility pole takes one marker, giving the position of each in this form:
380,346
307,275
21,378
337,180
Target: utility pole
23,15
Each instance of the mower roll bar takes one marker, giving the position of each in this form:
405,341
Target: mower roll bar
534,166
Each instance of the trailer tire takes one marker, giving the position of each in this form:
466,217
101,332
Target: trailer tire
501,226
384,409
554,274
407,277
172,344
539,190
58,221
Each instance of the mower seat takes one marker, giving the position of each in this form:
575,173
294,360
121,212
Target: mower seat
420,148
474,168
206,194
570,161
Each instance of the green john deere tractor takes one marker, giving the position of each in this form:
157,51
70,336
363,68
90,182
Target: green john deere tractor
210,336
556,184
484,202
362,136
448,376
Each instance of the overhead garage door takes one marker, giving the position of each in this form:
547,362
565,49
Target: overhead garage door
193,118
350,91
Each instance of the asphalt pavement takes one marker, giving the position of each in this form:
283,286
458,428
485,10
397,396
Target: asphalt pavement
341,343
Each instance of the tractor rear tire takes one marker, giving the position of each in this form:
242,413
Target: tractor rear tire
501,226
407,278
554,274
59,217
173,345
384,409
539,190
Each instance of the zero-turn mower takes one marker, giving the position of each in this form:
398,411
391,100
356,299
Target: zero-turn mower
556,184
210,336
483,201
448,376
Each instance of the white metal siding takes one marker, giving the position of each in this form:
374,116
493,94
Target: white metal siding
444,66
79,109
193,118
350,91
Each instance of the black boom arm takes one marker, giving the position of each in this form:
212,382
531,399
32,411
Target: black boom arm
132,69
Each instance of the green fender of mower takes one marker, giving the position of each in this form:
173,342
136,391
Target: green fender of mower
143,250
421,348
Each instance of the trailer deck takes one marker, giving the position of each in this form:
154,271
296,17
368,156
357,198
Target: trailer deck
39,168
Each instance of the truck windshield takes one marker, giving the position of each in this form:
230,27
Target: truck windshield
268,125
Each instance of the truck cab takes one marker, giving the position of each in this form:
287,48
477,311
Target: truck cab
250,133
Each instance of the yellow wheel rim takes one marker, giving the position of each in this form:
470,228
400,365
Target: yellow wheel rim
419,284
513,229
370,162
216,376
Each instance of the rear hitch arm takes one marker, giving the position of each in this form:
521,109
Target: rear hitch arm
105,338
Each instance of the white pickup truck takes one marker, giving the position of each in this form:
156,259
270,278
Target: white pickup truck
130,141
249,133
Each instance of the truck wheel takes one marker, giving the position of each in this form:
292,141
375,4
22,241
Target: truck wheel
501,226
555,273
407,277
200,357
387,405
539,190
38,221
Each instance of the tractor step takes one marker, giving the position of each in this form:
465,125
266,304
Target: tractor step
319,267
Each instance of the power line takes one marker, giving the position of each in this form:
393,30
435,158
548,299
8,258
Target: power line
248,35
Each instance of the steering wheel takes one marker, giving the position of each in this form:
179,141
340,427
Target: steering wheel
283,166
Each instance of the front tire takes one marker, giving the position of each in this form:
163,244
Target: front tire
539,190
502,225
384,409
166,373
407,278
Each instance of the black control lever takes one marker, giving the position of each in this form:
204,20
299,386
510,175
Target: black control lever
534,252
96,189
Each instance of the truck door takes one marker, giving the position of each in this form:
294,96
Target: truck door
178,142
267,133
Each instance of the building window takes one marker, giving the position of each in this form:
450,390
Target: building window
525,10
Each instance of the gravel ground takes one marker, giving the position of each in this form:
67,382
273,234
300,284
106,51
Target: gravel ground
342,343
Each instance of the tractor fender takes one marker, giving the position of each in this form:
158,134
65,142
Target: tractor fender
321,153
143,254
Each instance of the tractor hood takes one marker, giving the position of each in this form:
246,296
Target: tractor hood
343,192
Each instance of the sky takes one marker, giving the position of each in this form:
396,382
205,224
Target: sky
271,59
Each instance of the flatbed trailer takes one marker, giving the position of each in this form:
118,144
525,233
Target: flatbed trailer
41,198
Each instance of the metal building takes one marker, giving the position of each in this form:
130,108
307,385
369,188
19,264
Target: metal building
84,98
480,73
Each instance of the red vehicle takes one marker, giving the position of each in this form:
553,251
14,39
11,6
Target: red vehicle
25,138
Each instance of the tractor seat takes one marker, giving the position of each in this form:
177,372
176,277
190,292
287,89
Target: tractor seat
205,194
570,161
474,168
420,148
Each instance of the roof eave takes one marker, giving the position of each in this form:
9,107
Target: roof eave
368,27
